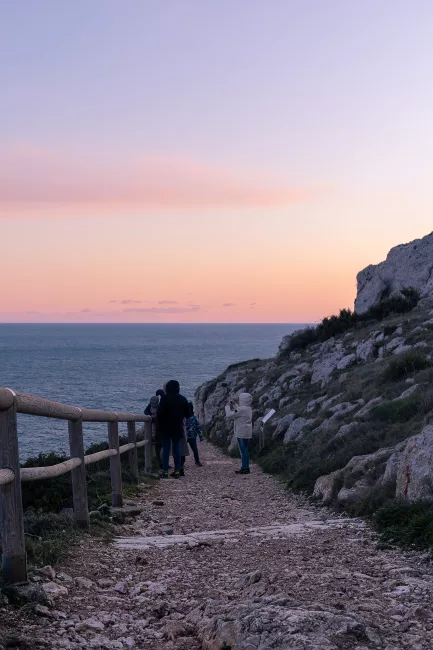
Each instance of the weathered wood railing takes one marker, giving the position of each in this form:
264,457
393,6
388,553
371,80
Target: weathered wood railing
14,564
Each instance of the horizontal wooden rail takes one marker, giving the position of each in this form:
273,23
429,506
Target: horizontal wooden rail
51,471
99,455
14,563
124,448
31,405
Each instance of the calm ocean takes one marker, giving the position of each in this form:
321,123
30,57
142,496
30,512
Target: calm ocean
117,367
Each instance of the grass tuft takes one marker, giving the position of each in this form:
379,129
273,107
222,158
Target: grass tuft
406,524
405,365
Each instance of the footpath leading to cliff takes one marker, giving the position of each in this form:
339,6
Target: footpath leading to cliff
266,571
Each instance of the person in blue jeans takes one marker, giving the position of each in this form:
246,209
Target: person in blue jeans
193,429
173,409
242,416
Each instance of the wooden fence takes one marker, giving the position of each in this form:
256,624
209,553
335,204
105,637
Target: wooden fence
14,564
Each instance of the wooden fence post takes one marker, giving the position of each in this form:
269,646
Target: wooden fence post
148,448
115,467
79,485
133,455
14,562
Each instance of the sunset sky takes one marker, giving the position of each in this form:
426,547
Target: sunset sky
208,160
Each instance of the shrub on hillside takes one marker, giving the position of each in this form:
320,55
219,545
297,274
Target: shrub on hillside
52,495
275,460
397,411
394,305
377,497
408,524
335,325
49,536
405,365
302,339
348,319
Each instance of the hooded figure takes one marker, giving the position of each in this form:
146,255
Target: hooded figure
154,403
172,411
150,408
242,416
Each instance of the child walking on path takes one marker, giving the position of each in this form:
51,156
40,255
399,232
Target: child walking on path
193,429
242,415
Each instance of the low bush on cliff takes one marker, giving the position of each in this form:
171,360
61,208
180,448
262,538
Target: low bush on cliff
397,411
372,501
302,339
302,462
335,325
389,305
405,365
275,460
348,319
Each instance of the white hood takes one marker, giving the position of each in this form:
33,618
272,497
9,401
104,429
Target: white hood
245,399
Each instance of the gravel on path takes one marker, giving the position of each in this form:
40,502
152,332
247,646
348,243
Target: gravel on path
312,581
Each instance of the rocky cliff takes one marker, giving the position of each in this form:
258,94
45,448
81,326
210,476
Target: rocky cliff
408,265
353,412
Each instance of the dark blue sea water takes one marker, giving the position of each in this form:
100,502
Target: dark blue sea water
117,367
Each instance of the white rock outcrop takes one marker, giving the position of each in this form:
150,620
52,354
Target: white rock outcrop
295,429
407,265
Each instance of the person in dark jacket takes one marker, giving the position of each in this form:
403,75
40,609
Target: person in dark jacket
193,429
172,411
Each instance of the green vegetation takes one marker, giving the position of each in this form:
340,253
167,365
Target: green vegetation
49,535
397,411
405,365
48,519
320,452
347,320
53,495
302,339
406,524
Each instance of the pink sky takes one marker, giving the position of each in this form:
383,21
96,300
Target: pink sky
208,162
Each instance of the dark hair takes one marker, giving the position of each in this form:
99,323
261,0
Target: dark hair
191,409
160,392
172,387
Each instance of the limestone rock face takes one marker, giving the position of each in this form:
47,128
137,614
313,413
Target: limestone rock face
414,474
269,621
408,265
365,350
327,486
330,355
295,429
360,473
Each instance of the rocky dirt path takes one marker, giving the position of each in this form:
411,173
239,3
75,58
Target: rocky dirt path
305,580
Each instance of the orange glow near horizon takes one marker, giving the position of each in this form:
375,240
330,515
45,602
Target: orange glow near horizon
217,247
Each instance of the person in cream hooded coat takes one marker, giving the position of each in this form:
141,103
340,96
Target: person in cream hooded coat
242,415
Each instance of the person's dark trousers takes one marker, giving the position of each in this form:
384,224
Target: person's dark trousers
158,452
193,444
243,446
166,445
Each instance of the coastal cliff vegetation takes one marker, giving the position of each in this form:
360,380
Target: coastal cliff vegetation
354,405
